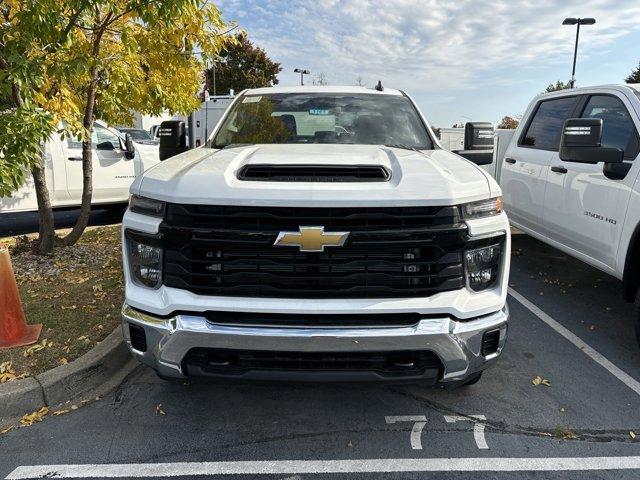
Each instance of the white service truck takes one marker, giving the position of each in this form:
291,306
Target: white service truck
117,161
321,233
570,176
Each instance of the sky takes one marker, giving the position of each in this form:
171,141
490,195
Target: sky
459,60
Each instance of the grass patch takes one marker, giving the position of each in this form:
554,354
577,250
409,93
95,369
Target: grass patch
76,294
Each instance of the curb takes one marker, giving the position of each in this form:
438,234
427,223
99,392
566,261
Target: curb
97,372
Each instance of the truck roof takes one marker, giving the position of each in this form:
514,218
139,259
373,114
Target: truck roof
321,89
613,86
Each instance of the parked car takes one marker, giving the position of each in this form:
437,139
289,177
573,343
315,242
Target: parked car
320,234
116,162
571,178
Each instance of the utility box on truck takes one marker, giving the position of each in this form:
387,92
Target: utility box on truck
208,115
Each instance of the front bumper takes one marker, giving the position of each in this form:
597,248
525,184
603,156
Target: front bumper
457,344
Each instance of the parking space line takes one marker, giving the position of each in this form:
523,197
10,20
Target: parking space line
419,422
292,467
625,378
478,427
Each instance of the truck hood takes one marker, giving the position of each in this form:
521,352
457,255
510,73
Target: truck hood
207,176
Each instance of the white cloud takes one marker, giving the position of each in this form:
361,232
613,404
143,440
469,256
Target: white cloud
426,45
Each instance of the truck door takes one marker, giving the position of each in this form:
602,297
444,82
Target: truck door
526,162
112,172
584,210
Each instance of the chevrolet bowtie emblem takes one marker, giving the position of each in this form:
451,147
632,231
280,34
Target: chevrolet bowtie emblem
311,239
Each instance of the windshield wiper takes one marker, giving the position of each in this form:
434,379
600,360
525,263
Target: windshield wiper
402,146
232,145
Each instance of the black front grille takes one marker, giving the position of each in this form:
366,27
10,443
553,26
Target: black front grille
390,252
236,362
314,173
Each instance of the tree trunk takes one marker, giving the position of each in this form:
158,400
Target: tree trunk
46,231
87,164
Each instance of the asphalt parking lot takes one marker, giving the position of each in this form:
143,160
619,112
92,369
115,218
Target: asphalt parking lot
573,329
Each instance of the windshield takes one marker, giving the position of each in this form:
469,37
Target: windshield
370,119
138,134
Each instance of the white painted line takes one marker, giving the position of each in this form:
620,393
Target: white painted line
478,427
293,467
416,432
625,378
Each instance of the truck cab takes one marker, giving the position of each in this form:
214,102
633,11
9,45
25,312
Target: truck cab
582,198
115,166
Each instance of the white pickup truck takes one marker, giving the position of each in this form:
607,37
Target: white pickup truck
570,176
115,165
322,233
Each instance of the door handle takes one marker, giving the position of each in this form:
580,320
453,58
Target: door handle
559,170
510,160
75,159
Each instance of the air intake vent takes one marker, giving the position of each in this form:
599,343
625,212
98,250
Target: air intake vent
138,337
314,173
490,342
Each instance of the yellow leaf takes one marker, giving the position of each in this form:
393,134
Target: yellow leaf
60,412
538,380
5,430
37,416
63,361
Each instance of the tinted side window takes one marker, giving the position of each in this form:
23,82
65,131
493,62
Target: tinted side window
618,130
101,139
105,139
546,126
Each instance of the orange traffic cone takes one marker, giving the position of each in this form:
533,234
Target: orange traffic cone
14,331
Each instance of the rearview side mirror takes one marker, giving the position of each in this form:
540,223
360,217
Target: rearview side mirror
173,138
581,142
129,149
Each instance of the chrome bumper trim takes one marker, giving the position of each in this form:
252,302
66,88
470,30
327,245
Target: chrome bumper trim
458,344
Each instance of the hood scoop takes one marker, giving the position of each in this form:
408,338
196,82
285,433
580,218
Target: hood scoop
313,173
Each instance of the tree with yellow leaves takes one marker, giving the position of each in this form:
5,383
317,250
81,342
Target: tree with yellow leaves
64,61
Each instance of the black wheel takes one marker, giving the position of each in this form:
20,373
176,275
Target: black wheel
636,316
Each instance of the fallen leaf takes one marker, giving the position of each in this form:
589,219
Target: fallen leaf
159,410
350,445
60,412
632,435
592,327
538,380
6,430
63,361
33,349
562,409
37,416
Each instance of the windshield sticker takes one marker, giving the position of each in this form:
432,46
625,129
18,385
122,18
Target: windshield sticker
253,99
318,111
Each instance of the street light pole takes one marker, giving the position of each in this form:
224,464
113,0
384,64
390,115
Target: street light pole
302,73
577,22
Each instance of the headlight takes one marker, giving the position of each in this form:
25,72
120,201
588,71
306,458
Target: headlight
482,266
146,206
483,208
145,263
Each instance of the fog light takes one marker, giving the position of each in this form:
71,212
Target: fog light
482,266
145,262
